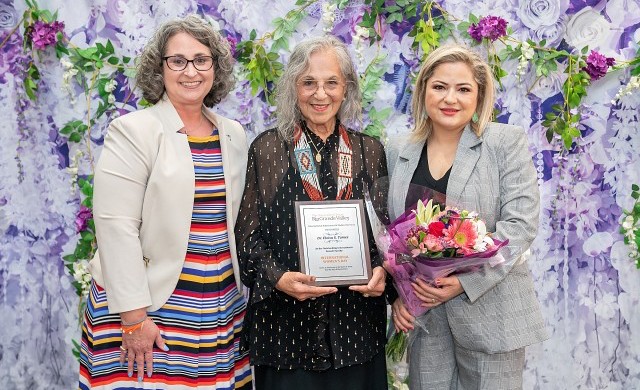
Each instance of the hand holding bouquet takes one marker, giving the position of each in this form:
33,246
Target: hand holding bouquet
430,242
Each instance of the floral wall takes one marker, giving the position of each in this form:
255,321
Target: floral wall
60,84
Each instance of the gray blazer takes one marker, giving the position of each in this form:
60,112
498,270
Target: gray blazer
494,175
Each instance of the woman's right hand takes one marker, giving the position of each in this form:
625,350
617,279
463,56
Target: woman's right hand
300,286
402,319
137,348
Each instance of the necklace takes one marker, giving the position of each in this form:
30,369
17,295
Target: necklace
186,131
318,155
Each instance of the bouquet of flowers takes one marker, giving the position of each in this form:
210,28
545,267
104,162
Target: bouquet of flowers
431,242
428,242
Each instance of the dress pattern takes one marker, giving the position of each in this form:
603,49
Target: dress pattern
333,331
200,322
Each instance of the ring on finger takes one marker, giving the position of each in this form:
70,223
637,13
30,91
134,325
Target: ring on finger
433,300
123,349
366,295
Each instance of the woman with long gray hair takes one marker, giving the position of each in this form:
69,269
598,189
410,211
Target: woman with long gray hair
300,335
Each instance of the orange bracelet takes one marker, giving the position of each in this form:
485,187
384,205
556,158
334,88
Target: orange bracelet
132,328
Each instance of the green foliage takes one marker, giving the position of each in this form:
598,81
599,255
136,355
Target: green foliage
397,346
564,119
630,226
370,83
31,81
390,12
74,130
263,68
30,16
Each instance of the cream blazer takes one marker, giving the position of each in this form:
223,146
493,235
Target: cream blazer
143,199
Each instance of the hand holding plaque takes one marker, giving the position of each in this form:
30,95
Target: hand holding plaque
332,241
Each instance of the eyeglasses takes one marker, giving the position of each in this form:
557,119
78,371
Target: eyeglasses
311,86
178,63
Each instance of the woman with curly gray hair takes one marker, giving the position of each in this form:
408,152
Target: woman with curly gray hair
300,335
166,294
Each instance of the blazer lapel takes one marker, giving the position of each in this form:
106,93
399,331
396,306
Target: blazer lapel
408,159
464,163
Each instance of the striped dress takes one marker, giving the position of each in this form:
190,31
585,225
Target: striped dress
202,319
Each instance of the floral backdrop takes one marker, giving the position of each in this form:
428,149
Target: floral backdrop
568,72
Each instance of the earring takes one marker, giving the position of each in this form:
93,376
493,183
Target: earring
474,117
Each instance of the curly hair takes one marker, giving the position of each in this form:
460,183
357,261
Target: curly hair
481,73
150,65
287,111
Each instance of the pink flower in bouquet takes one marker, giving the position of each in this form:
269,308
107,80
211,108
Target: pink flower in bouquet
461,234
433,243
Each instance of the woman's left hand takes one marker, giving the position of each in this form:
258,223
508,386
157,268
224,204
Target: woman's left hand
444,290
376,285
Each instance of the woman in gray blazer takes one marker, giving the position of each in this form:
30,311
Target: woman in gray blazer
478,323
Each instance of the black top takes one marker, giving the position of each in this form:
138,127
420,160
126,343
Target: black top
423,182
334,330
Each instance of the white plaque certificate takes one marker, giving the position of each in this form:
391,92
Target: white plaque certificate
332,241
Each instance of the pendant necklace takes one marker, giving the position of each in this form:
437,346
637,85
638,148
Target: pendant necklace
318,156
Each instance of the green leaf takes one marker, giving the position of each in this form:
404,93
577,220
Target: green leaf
574,100
75,137
87,189
113,60
567,140
634,187
109,47
87,236
574,133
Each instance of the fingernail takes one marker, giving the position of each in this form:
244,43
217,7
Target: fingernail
140,379
121,364
130,373
165,348
149,373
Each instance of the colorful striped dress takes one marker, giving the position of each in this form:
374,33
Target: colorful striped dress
202,319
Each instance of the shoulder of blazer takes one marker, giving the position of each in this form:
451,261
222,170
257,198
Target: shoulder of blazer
393,147
495,133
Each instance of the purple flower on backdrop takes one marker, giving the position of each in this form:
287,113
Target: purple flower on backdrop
82,217
233,42
490,27
44,34
597,65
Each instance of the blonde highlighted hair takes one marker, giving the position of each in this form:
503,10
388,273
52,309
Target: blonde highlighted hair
481,73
